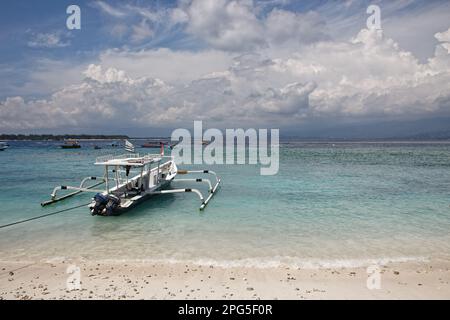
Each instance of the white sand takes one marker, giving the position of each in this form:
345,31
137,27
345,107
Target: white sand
21,280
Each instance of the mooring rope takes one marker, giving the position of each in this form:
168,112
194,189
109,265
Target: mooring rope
43,216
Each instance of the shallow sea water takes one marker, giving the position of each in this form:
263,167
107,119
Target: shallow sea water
331,204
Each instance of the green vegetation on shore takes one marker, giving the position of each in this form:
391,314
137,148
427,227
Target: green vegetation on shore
61,137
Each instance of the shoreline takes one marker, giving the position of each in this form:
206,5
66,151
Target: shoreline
148,280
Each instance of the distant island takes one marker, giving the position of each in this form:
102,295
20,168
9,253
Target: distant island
52,137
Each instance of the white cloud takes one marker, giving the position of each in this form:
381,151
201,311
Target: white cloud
142,23
413,23
285,26
246,25
178,16
156,16
141,31
169,65
50,75
259,68
229,25
238,25
48,40
368,76
104,98
288,100
108,9
95,72
443,36
118,30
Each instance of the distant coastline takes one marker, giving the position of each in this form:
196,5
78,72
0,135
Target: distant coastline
51,137
285,139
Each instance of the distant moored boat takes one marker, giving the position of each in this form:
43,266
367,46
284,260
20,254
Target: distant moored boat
152,144
70,144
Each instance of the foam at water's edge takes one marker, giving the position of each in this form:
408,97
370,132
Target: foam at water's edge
276,262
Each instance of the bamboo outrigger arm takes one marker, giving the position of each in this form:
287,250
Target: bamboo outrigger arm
212,189
81,188
197,180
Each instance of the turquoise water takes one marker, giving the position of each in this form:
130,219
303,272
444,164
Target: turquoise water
330,204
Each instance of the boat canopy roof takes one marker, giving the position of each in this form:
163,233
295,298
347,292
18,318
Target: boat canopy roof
132,159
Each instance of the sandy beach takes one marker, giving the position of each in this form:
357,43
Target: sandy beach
145,280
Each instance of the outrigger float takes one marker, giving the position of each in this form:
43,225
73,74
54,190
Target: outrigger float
130,179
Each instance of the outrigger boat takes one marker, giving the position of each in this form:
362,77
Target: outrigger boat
70,144
152,144
130,179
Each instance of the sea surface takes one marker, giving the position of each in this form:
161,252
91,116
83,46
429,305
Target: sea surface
331,204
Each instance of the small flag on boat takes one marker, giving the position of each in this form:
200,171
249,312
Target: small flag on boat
129,146
162,149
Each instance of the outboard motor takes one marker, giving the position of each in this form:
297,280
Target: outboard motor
111,206
105,205
100,204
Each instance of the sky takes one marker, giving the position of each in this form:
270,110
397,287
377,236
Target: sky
309,68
